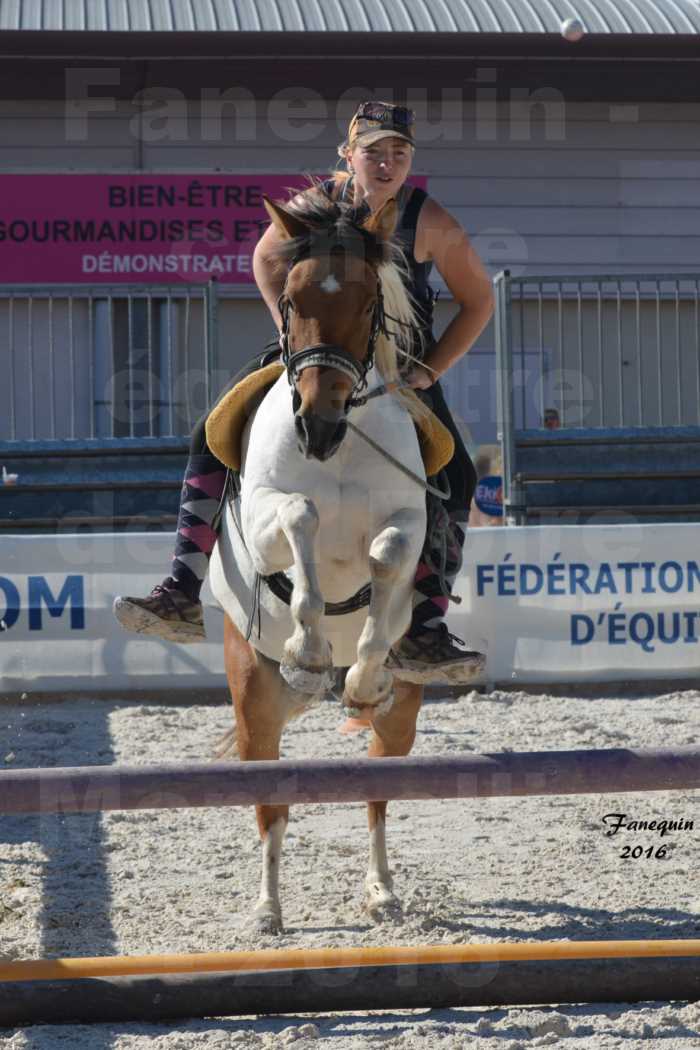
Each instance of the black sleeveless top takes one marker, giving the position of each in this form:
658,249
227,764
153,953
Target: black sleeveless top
410,201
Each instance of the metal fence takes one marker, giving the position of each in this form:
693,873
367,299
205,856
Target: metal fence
105,361
142,361
615,352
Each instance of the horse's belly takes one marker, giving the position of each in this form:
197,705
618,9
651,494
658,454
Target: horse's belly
340,579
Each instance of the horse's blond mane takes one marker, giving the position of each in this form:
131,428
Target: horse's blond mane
399,343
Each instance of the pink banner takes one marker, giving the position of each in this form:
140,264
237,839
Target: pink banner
135,228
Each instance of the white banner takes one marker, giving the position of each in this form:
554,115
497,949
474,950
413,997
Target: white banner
56,595
583,603
546,603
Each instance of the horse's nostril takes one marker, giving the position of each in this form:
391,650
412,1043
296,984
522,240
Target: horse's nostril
300,426
340,432
318,437
303,435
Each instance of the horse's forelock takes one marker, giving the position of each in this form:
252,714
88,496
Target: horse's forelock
331,225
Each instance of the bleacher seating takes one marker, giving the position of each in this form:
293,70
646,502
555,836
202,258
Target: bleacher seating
97,484
580,475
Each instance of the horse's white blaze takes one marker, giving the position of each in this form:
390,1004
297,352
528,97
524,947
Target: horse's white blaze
330,285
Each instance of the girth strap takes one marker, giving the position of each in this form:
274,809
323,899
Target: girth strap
282,587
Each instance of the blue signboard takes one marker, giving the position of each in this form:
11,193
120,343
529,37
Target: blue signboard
489,496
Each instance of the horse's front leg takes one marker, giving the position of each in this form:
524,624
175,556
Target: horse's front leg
393,556
285,531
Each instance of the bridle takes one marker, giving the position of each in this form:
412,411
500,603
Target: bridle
329,355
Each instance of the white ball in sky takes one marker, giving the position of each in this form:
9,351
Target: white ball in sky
572,29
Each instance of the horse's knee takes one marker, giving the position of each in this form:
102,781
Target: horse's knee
388,554
298,512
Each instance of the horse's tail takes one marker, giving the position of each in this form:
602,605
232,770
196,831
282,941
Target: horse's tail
226,748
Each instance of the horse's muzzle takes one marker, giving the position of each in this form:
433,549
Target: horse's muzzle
317,437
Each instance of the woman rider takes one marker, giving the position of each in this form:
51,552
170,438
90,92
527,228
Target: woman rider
378,153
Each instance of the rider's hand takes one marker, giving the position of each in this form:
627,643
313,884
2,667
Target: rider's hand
419,378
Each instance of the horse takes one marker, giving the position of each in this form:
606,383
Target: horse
317,501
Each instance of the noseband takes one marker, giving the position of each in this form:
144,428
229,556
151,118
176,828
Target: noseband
330,356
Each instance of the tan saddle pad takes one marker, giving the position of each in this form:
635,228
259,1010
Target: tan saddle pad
227,419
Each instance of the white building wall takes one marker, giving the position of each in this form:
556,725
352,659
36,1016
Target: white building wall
553,188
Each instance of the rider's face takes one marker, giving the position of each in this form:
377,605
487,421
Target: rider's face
382,167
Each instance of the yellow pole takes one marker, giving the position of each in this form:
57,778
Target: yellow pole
324,958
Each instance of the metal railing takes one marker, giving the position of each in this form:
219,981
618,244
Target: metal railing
105,361
615,351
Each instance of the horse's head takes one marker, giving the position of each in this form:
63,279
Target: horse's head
331,310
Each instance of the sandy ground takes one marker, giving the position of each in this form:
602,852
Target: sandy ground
500,869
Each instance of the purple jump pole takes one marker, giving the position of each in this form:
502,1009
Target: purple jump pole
172,786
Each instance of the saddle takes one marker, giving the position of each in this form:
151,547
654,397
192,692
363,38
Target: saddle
226,421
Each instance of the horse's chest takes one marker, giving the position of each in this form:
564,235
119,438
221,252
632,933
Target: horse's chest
345,518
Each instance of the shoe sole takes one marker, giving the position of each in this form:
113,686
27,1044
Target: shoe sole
461,673
141,621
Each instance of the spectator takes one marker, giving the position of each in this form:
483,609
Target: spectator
487,504
551,419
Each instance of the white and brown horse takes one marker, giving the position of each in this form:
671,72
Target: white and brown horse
320,503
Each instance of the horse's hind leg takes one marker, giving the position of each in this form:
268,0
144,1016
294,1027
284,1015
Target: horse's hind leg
393,734
258,695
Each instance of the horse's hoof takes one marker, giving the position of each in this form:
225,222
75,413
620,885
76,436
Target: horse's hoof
265,920
372,696
354,725
383,906
306,679
366,712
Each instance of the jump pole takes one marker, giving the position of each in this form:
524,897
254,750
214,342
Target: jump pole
322,980
338,958
172,786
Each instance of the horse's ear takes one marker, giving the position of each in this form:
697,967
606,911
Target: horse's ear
286,224
383,222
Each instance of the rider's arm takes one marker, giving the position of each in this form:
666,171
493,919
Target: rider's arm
441,238
270,273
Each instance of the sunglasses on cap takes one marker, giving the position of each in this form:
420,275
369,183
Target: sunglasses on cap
386,113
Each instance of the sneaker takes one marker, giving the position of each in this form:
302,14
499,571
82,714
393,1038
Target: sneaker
432,658
166,612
